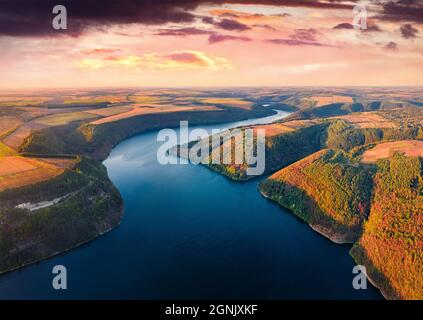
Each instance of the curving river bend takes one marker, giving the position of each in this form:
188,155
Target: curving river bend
189,233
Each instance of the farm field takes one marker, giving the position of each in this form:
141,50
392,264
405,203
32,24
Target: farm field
276,129
11,165
323,100
19,101
411,148
16,171
367,120
229,102
5,150
88,100
8,125
111,111
15,139
138,111
64,118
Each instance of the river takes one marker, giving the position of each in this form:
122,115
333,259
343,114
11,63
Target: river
189,232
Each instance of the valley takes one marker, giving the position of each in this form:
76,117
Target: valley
333,162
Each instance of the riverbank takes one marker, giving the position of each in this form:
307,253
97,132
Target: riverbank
336,237
93,207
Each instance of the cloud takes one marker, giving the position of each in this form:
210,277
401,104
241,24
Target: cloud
34,18
208,20
344,25
214,38
402,10
304,34
100,51
265,26
294,42
188,59
189,31
321,4
372,27
391,46
408,31
92,64
176,60
231,25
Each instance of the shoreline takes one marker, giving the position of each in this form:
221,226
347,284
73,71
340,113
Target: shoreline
22,266
324,231
4,273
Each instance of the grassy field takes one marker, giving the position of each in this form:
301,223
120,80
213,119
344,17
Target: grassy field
229,102
87,100
13,165
276,129
6,151
8,125
139,111
111,111
324,100
19,101
411,148
367,120
16,171
15,139
64,118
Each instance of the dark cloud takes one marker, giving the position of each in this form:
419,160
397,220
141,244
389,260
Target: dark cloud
232,15
372,27
408,31
33,17
322,4
264,26
344,25
100,51
232,25
304,34
403,10
214,38
182,32
209,20
294,42
283,15
391,46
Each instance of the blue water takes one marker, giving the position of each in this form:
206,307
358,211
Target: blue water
189,233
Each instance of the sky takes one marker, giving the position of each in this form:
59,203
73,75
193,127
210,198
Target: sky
225,43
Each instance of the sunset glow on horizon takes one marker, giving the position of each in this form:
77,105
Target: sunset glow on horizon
226,44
